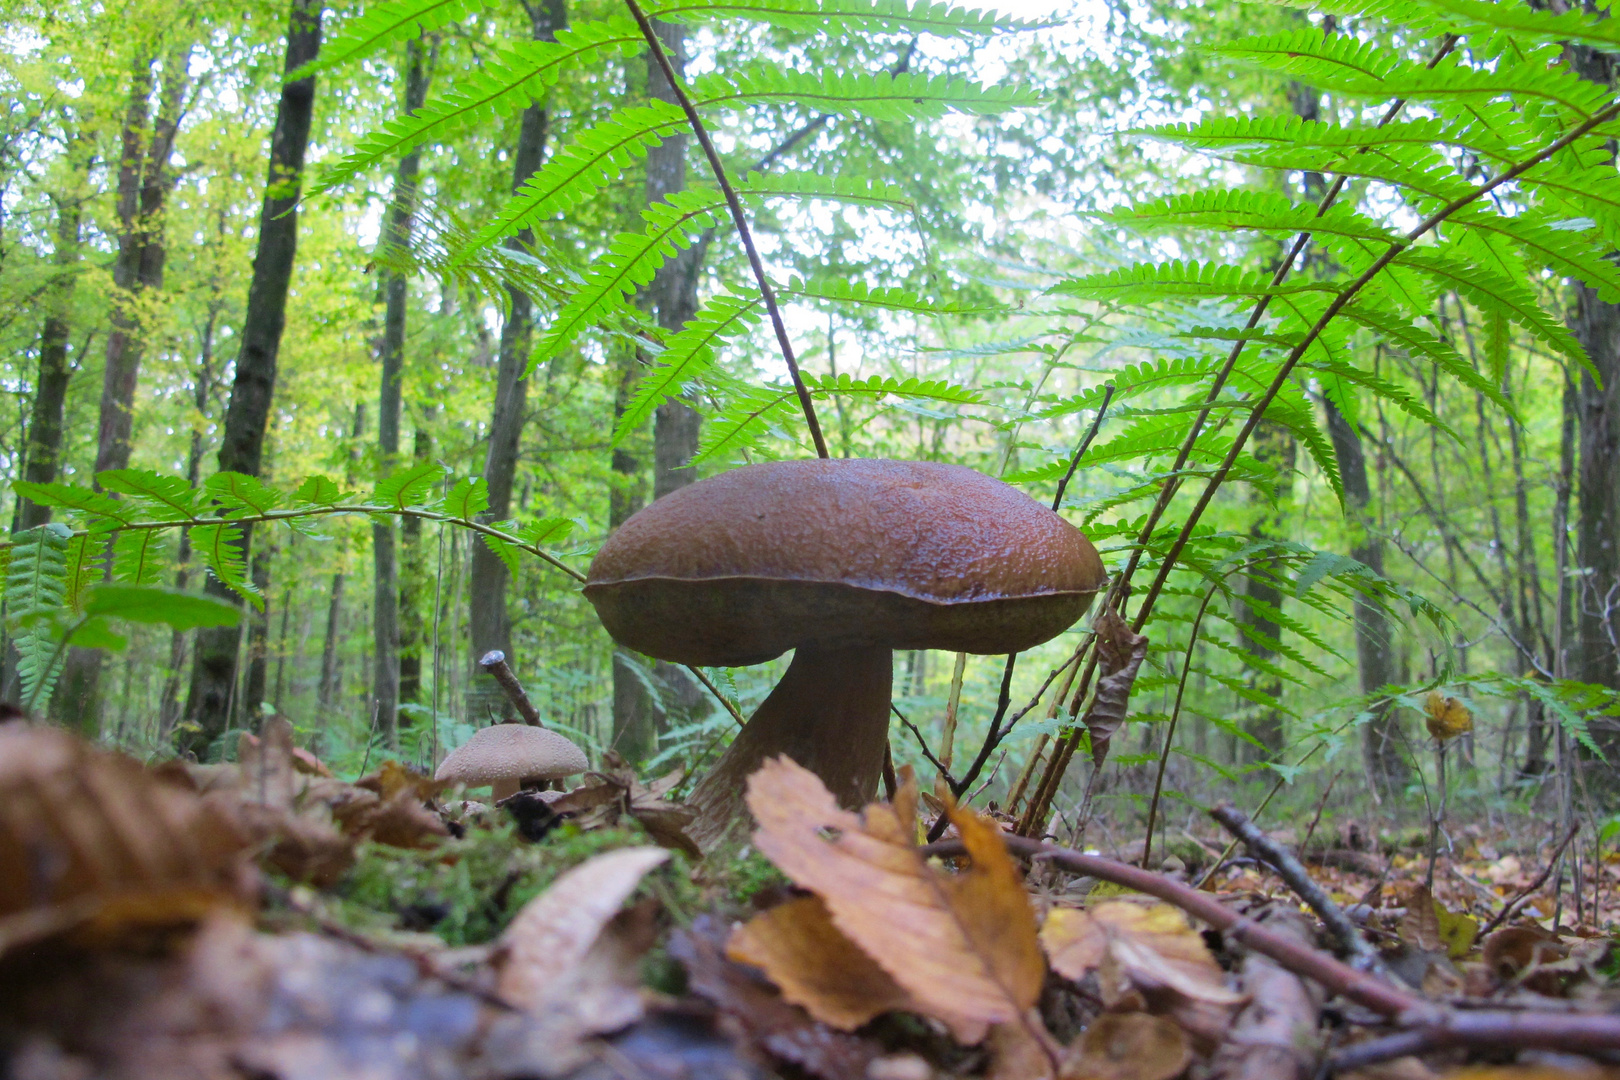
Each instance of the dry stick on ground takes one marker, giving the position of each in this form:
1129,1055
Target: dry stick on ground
1541,879
656,47
494,662
1433,1027
1362,955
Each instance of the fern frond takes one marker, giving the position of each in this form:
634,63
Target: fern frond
93,504
86,564
164,498
879,386
873,16
744,419
36,589
1525,23
220,548
1562,249
1419,342
383,25
139,556
238,491
580,169
317,491
1263,211
860,294
515,77
468,498
1492,292
408,487
1188,280
689,353
877,95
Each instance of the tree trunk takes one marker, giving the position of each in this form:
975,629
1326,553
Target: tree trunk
250,714
326,693
412,583
1375,650
242,446
396,245
50,387
1258,630
490,623
1597,537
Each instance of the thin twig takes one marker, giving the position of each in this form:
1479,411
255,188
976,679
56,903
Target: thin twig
1433,1027
1362,955
1321,804
1175,715
1085,444
718,696
738,218
494,662
944,770
1541,879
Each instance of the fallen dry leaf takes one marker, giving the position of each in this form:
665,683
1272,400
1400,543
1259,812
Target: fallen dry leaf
799,949
552,933
777,1028
1420,926
1275,1035
1119,657
606,797
1446,717
1150,951
86,832
392,777
1128,1046
963,945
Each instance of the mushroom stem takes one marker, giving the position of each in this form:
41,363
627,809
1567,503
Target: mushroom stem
504,789
830,713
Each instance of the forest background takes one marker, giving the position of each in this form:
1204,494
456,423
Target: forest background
258,241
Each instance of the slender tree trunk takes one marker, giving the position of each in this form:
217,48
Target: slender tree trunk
1259,631
50,386
143,186
281,649
1375,649
490,622
326,694
1597,543
251,711
396,245
214,669
412,583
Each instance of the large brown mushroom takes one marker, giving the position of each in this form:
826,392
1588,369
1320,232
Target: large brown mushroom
842,561
505,756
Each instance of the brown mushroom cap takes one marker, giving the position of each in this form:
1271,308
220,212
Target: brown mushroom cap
739,568
508,753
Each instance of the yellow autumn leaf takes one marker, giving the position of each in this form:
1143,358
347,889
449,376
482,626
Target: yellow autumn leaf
1446,716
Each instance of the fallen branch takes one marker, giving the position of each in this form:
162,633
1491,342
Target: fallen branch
1363,956
494,662
1507,912
1430,1026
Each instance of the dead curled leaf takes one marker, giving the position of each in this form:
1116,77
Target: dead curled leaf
799,949
1119,657
963,946
608,796
86,832
1128,1046
1146,956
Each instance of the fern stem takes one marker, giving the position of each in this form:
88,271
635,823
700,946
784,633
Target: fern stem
1170,729
1173,485
1338,304
738,218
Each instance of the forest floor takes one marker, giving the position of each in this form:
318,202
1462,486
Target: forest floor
266,919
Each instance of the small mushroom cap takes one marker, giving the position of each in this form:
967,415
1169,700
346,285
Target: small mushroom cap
511,752
743,566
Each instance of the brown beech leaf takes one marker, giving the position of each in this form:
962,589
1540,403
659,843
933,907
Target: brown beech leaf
90,834
964,945
1420,926
392,777
777,1028
1150,953
799,949
1128,1046
1119,657
551,935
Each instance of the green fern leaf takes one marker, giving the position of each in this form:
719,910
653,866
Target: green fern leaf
220,549
879,386
468,499
1259,210
36,588
409,487
382,25
902,97
71,497
1492,292
86,564
1561,249
164,498
689,354
871,16
1178,280
238,491
317,491
746,419
511,80
139,556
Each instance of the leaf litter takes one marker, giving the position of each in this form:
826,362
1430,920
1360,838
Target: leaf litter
190,920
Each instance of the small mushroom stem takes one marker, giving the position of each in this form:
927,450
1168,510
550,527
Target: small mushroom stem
504,789
830,713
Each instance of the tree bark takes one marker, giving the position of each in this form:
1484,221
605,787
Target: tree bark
50,386
1375,649
1597,537
242,446
250,714
412,583
326,694
1258,631
490,623
396,244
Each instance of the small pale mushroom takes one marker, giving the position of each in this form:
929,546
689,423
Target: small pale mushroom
842,561
505,755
